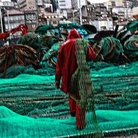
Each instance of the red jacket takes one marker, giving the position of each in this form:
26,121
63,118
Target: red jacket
66,61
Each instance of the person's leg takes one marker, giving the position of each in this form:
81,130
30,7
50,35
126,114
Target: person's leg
72,106
80,117
78,111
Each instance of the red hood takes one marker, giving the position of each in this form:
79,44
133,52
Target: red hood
73,34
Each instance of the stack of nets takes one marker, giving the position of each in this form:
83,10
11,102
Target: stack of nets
32,107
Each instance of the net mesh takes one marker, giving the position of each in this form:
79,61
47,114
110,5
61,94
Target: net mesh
30,106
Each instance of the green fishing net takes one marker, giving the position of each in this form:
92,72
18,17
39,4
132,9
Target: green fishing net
30,106
129,29
111,49
131,47
43,29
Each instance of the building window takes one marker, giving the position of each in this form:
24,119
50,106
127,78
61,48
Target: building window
113,4
11,18
6,26
62,5
5,19
54,22
16,17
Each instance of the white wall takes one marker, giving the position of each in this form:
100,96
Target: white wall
99,24
64,4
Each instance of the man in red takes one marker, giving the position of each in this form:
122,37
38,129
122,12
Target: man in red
71,61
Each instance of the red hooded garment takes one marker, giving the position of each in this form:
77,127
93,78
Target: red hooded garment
66,60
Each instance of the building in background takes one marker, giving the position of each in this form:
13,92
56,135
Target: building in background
27,5
45,5
49,19
13,19
37,12
64,4
5,6
47,12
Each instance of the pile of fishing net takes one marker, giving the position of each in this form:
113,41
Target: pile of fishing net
16,70
37,41
31,106
131,48
43,29
114,47
15,125
113,51
51,30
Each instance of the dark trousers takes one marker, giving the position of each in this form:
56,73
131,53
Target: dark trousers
80,112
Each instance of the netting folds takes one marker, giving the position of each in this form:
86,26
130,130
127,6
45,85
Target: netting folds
32,107
84,85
